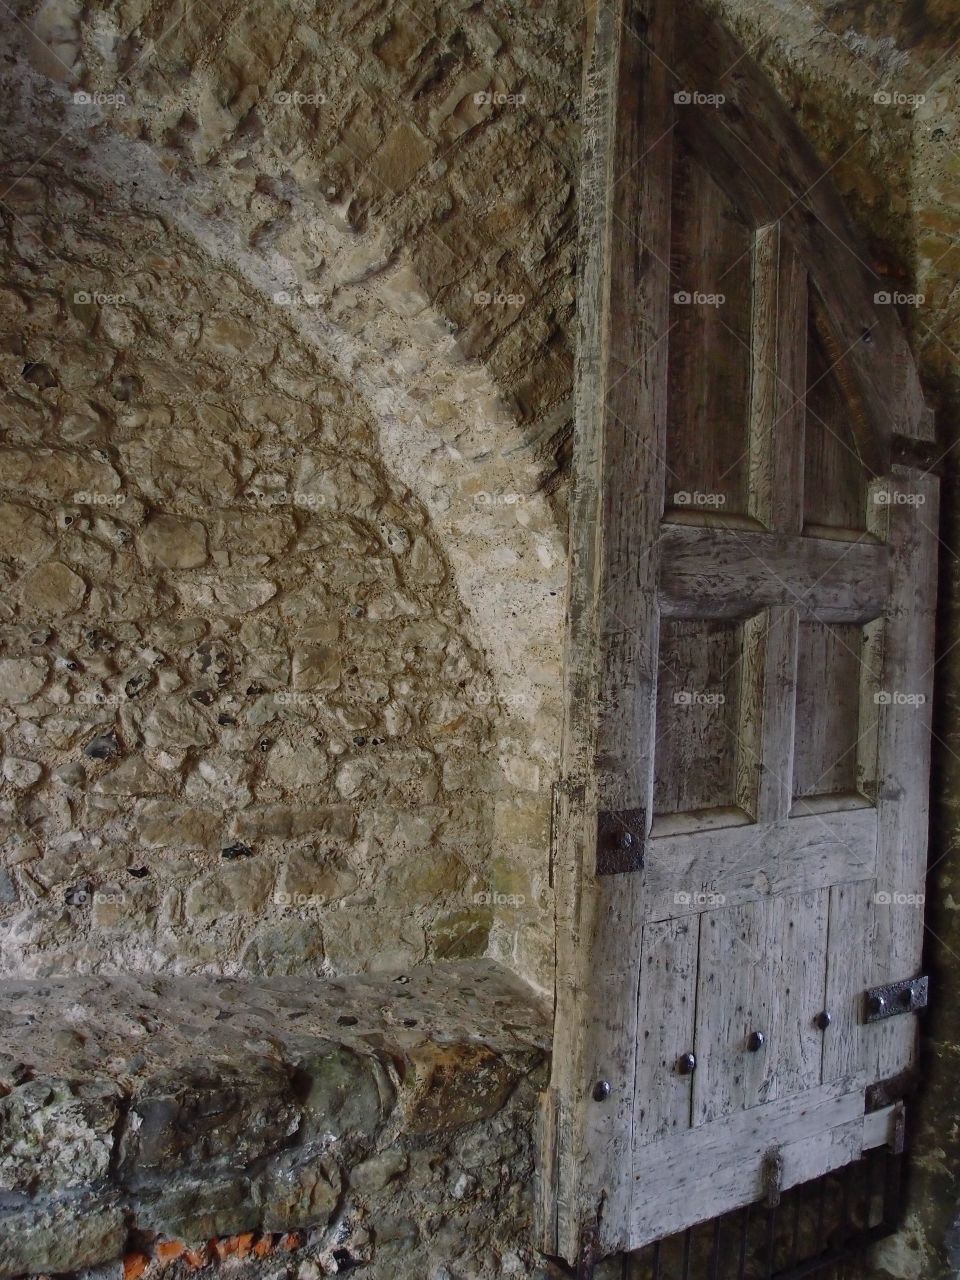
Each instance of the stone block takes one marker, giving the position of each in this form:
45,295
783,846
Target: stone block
61,1236
453,1085
203,1116
54,1136
169,542
342,1093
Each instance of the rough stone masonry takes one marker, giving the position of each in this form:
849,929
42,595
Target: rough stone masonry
286,365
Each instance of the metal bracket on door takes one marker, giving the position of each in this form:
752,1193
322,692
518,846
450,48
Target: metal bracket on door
587,1256
620,836
909,996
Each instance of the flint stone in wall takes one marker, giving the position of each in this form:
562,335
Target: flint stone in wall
310,874
243,887
294,767
164,822
52,590
452,1085
343,1094
282,822
132,777
198,466
196,1209
178,722
291,1194
232,596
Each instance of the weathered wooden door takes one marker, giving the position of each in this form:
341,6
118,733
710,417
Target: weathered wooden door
741,824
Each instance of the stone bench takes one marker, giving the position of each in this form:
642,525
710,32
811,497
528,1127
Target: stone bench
379,1118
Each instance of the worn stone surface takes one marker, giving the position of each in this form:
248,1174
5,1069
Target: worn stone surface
372,1112
412,171
228,624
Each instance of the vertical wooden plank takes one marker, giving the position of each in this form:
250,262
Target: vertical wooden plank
767,714
908,516
667,1010
611,671
735,994
777,382
849,962
776,436
696,723
795,1043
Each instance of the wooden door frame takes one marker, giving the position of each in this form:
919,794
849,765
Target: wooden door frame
624,246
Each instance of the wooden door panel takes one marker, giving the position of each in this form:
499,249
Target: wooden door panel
698,683
709,345
740,832
829,663
717,572
666,1018
689,873
710,1170
762,974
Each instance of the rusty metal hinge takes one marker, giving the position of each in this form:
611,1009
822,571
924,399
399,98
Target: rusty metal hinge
620,837
909,996
587,1253
772,1177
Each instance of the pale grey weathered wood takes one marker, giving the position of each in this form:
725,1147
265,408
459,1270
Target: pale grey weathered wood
730,572
904,753
629,944
707,1171
612,637
669,968
690,873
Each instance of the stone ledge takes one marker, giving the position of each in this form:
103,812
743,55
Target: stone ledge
138,1109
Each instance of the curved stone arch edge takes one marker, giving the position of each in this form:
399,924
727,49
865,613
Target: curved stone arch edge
509,573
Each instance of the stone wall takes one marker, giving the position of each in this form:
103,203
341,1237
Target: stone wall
247,156
245,726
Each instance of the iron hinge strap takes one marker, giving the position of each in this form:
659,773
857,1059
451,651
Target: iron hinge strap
909,996
587,1253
